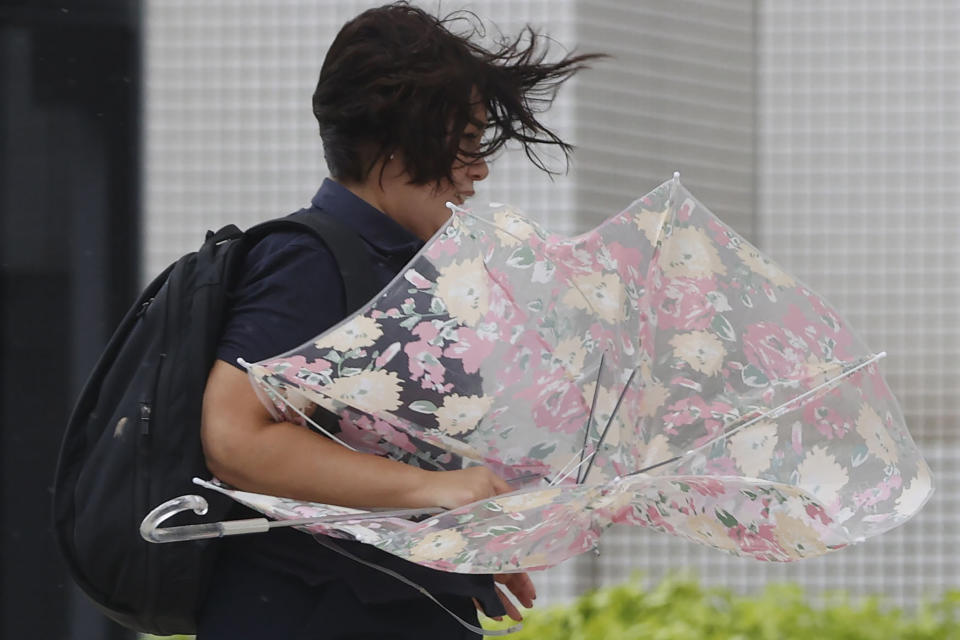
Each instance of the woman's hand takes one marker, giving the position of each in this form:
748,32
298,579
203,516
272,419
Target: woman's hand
452,489
521,586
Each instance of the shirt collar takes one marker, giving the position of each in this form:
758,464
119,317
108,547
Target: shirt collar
375,227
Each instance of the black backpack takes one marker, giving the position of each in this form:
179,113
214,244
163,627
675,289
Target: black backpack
133,439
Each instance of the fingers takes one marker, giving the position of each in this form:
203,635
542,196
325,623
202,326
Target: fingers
479,607
456,488
511,608
520,585
524,589
499,484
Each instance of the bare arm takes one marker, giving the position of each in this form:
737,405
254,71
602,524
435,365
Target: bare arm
247,449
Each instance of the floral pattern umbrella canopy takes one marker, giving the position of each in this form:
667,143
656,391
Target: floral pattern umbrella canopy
657,370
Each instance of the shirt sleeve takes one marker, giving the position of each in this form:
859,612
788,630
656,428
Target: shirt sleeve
288,292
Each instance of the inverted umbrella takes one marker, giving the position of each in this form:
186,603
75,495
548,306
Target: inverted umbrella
657,370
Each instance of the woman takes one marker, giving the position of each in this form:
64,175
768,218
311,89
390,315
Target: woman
409,113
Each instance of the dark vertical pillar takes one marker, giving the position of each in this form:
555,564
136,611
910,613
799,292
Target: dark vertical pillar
69,219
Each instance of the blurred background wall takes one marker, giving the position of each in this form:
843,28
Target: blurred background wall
69,253
826,133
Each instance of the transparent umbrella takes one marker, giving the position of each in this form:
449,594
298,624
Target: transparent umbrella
657,370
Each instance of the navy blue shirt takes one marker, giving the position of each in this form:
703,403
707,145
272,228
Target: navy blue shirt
290,291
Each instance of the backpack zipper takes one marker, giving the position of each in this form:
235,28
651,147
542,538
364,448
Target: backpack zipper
144,418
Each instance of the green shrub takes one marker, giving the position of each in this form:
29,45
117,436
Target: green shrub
680,609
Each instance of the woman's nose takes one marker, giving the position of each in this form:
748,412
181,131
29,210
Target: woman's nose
478,170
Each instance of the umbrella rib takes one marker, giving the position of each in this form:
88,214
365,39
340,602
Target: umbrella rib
613,414
562,472
779,410
670,209
593,407
560,478
546,345
776,412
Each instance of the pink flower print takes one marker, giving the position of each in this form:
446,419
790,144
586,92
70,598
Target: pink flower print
302,511
297,364
413,277
375,430
511,540
624,515
768,291
504,309
387,355
721,466
603,337
761,543
359,433
706,486
439,248
776,351
423,358
877,494
425,331
683,413
528,347
576,257
512,372
752,510
656,519
827,324
624,256
424,364
683,305
685,210
586,539
470,348
629,514
816,512
442,565
532,469
720,232
825,314
559,406
796,321
823,343
827,420
796,438
694,410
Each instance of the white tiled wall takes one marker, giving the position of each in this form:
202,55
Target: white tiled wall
825,131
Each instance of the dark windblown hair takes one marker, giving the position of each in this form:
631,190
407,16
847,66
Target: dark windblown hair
398,80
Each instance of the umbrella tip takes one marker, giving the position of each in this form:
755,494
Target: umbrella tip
676,176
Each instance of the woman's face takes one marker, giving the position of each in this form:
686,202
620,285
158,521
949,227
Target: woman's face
421,209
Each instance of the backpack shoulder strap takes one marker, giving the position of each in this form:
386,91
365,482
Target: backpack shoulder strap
348,249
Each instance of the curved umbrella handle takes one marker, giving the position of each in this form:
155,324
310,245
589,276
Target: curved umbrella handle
151,531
